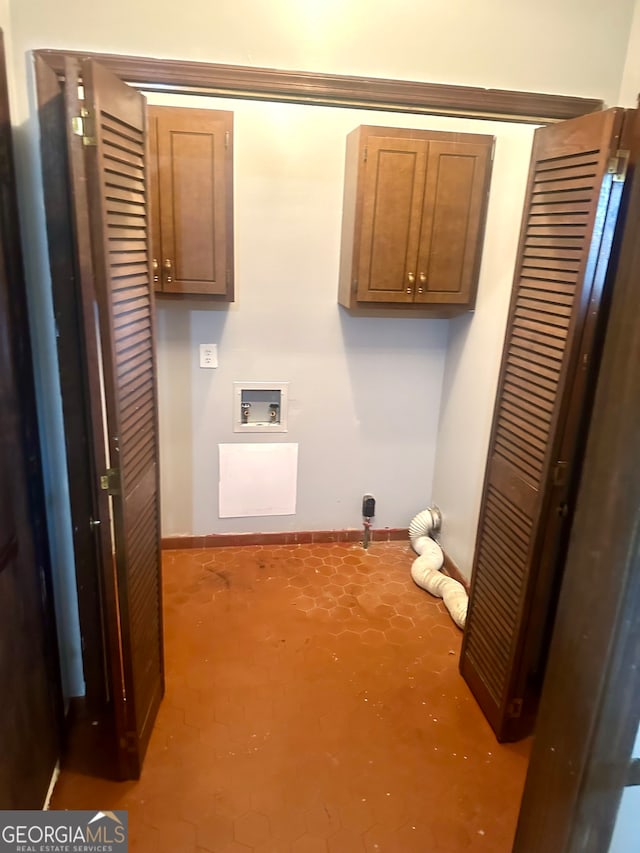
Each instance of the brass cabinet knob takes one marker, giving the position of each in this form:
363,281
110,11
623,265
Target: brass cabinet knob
155,267
411,277
423,278
168,267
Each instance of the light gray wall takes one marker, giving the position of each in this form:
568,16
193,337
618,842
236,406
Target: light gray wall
572,47
364,393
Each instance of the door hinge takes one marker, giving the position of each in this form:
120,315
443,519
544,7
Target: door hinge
560,470
618,164
366,154
227,139
228,278
110,481
84,126
514,709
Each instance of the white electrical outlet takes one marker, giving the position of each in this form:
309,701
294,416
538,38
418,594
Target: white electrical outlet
208,355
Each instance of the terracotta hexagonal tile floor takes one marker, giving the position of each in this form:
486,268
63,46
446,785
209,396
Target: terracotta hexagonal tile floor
313,704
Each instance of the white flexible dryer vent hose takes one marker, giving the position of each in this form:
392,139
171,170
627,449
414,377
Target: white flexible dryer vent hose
425,569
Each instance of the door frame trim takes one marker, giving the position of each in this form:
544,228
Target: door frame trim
307,87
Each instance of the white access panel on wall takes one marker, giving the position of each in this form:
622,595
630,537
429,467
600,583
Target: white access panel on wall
257,479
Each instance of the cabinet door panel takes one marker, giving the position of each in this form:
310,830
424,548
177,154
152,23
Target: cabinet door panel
455,189
192,164
392,204
194,180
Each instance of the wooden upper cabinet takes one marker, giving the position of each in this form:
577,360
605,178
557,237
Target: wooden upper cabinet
413,219
191,190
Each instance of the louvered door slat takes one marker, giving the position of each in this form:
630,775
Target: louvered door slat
523,441
119,220
539,230
125,205
528,419
126,318
582,160
549,294
129,294
579,196
548,272
505,542
124,193
140,360
542,319
123,175
511,420
532,376
558,220
135,397
121,154
127,255
134,220
134,421
537,369
128,282
501,555
568,205
126,244
128,345
124,303
135,374
584,173
544,332
526,341
548,182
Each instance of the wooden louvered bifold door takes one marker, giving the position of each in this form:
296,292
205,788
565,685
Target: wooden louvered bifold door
118,224
542,400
